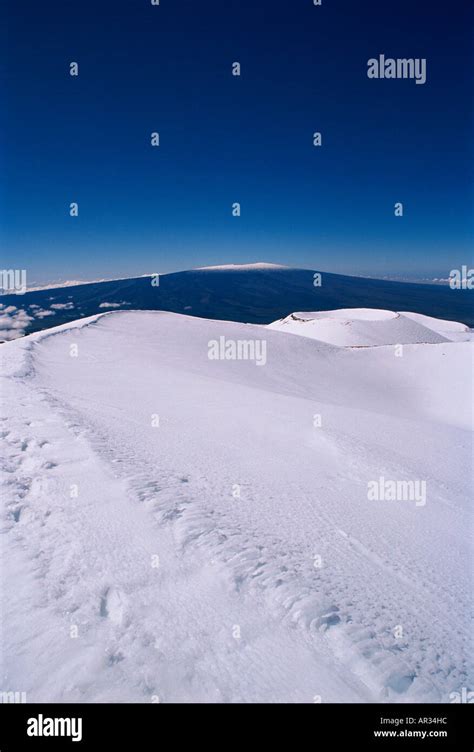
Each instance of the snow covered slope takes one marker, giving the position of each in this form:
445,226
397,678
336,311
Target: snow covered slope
452,330
183,528
362,327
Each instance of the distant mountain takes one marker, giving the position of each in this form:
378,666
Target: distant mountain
253,293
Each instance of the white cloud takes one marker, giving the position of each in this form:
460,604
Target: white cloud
13,322
62,306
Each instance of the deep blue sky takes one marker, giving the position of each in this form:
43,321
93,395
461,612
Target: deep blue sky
226,139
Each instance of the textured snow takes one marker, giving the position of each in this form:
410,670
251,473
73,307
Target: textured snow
221,545
453,330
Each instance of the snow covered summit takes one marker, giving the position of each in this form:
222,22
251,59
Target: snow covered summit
262,265
363,327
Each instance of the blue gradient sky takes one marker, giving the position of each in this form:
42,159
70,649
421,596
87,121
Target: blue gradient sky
226,139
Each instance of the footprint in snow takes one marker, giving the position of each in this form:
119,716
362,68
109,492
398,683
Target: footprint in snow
112,605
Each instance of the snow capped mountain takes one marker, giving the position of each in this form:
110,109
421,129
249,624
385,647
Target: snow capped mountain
250,293
184,527
242,267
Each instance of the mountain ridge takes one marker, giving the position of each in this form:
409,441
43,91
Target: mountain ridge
253,295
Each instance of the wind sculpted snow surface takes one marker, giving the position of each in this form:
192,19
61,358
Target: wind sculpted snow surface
177,528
